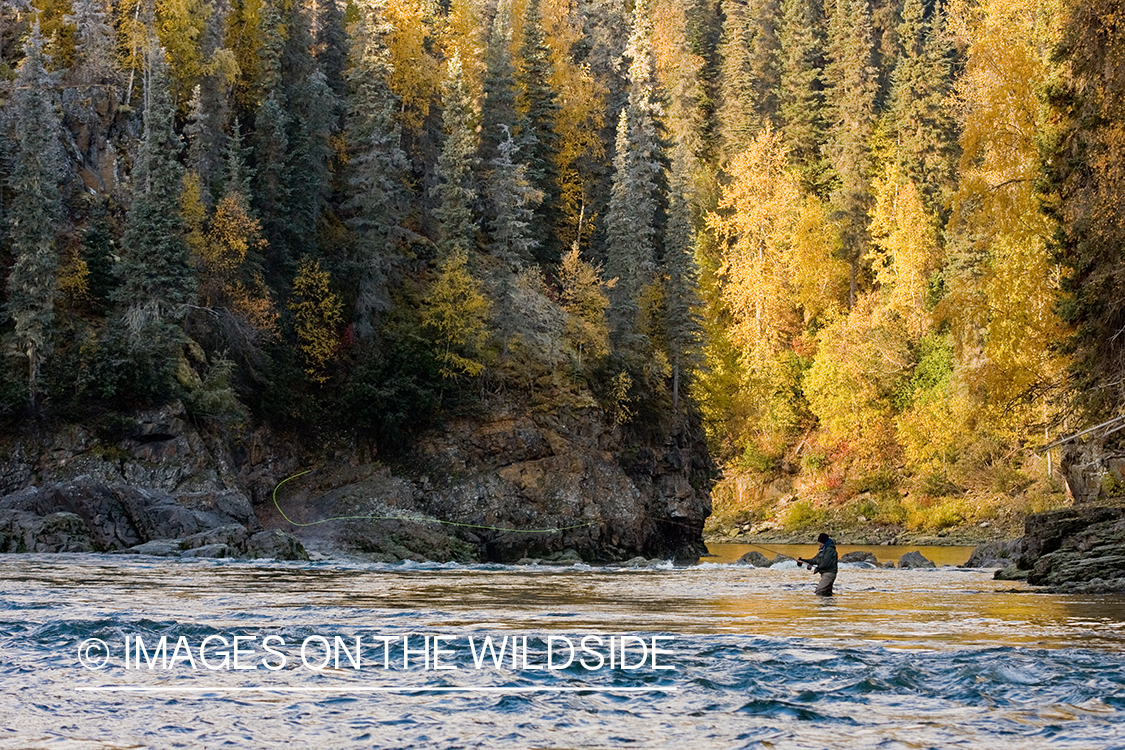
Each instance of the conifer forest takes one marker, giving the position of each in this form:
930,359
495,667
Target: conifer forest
872,247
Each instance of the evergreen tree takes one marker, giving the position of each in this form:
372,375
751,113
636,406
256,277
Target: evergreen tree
920,110
538,140
514,198
95,43
765,62
271,188
454,189
377,164
852,97
634,198
498,108
155,270
332,47
683,327
1087,185
157,280
737,112
802,91
97,252
35,208
312,125
630,230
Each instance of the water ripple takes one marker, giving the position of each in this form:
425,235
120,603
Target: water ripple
949,659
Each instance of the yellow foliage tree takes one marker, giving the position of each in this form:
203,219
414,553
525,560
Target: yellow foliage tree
318,315
753,220
585,302
860,358
1003,283
456,312
905,250
819,279
416,74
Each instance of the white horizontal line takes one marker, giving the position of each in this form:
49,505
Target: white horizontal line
368,689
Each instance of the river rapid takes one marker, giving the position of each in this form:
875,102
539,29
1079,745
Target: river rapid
262,654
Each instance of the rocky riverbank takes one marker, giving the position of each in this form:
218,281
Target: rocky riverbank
1074,549
507,485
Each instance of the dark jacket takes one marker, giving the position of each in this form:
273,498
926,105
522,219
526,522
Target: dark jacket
825,560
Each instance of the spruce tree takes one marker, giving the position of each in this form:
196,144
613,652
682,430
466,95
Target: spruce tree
155,268
683,327
1086,183
454,189
801,95
737,111
271,188
635,195
765,62
852,97
95,43
630,253
157,281
377,164
920,113
498,109
513,196
538,140
332,46
35,208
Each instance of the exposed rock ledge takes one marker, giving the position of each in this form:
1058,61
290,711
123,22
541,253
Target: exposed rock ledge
1081,548
91,516
469,492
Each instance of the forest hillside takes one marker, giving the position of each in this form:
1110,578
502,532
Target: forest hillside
870,247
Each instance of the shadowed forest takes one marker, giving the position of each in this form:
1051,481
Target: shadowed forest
873,246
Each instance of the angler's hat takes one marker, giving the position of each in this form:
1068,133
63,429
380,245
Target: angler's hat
822,538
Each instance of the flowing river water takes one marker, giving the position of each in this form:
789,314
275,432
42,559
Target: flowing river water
714,655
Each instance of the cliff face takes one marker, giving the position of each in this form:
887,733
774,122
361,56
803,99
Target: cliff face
503,486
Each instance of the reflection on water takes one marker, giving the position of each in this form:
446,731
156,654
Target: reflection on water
729,553
898,659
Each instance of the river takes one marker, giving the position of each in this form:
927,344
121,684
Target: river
710,656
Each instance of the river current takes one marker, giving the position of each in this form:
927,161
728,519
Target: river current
264,654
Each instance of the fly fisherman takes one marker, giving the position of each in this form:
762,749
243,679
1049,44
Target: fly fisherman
824,563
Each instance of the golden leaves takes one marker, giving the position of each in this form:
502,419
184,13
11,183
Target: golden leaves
318,315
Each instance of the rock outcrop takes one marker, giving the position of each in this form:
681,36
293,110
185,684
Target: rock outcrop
86,515
1078,547
504,486
754,558
512,486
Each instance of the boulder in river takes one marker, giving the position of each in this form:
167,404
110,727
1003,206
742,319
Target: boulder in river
859,556
995,554
754,558
913,560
